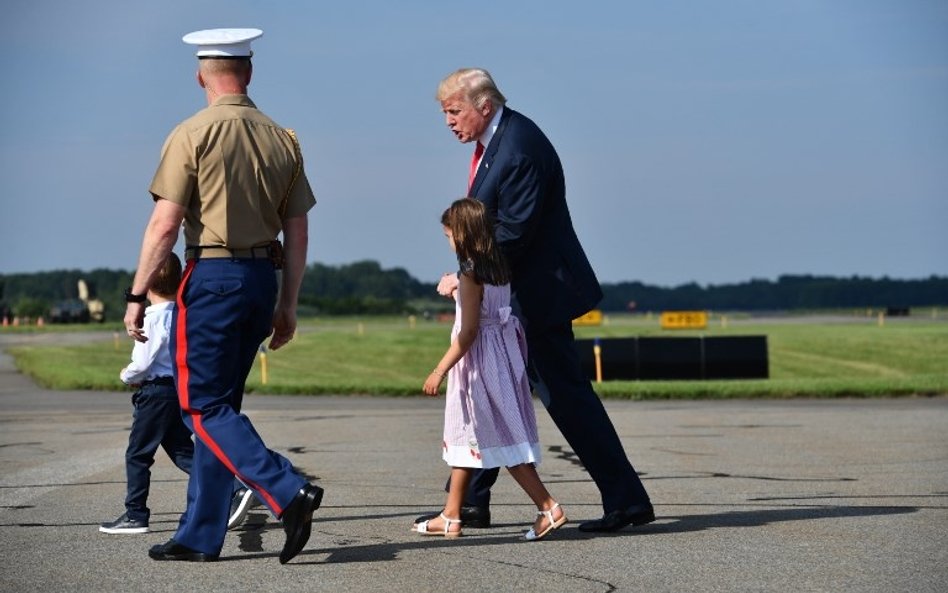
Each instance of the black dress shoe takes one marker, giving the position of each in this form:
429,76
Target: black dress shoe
639,514
476,517
298,520
172,550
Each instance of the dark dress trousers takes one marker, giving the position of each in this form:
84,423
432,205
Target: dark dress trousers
156,422
520,180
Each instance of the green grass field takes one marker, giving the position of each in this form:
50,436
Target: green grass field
827,356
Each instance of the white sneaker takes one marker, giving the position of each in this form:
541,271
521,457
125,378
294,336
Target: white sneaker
239,505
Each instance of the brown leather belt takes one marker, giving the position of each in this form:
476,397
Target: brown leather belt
258,252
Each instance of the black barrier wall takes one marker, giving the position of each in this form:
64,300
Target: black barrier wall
694,358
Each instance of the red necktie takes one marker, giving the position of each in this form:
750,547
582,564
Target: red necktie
478,152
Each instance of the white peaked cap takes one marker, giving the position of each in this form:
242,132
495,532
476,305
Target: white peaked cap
223,43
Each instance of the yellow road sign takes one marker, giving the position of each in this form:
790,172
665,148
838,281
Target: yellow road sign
593,317
684,319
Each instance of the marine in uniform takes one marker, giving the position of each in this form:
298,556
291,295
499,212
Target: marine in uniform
235,179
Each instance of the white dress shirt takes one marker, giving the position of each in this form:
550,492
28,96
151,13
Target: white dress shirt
152,359
489,132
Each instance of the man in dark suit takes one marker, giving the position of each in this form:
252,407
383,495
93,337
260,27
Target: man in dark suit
517,174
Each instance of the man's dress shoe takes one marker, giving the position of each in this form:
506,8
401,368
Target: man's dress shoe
615,520
476,517
172,550
298,520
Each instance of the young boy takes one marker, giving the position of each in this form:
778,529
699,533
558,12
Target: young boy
156,419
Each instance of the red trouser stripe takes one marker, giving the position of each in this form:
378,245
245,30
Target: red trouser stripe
219,453
181,336
184,399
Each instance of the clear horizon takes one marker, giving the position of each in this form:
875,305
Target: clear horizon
610,282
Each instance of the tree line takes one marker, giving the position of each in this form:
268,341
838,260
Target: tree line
365,288
787,293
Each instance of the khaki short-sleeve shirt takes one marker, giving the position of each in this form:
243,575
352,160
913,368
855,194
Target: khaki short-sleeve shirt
231,167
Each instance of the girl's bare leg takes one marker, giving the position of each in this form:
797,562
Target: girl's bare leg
526,475
460,478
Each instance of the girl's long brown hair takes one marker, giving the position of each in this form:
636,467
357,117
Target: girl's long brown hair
473,230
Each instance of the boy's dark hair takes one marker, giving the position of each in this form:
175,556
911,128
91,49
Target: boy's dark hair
168,279
473,229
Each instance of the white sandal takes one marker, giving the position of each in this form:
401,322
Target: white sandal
553,525
422,528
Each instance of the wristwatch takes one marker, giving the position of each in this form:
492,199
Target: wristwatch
131,297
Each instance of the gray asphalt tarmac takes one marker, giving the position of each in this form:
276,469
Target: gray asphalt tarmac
801,495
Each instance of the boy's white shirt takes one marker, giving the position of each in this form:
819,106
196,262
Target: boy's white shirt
152,359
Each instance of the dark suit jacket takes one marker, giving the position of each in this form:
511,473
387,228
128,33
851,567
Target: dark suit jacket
520,180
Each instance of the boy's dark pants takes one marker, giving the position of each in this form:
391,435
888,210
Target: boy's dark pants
155,421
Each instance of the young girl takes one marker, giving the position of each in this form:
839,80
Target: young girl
488,417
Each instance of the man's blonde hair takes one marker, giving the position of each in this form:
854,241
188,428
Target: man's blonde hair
476,84
219,66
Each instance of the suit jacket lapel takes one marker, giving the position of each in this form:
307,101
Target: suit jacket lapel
488,159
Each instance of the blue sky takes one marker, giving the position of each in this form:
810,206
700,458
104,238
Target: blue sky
702,141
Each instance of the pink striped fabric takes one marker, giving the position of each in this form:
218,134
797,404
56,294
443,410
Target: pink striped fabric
488,417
